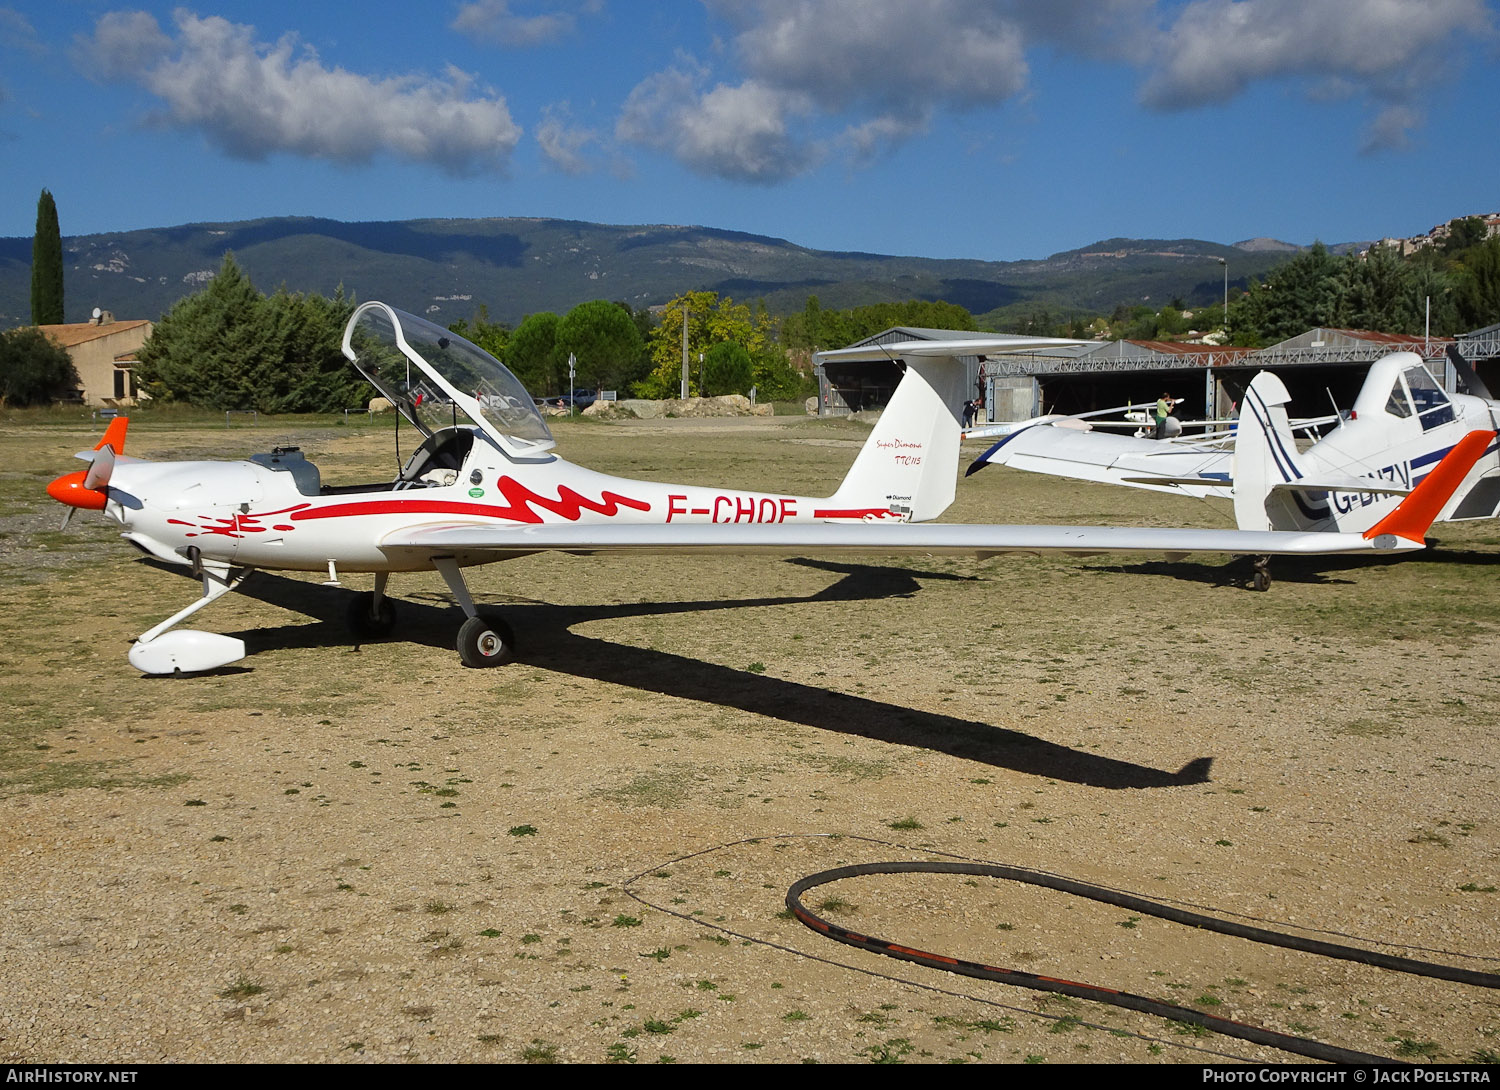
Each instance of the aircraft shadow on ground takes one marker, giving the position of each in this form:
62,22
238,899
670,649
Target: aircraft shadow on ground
1318,571
1234,574
546,639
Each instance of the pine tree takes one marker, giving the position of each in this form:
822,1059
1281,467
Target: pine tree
46,265
230,347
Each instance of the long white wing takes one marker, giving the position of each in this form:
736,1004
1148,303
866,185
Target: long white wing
1400,531
787,539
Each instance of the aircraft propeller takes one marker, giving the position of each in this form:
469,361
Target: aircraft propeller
1466,372
87,488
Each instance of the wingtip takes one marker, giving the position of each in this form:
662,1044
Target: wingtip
1415,514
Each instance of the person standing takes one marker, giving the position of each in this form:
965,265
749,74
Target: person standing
1164,407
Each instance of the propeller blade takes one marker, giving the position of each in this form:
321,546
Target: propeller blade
100,469
1466,372
67,518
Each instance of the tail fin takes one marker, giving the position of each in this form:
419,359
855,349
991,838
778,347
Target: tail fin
909,464
114,435
1265,455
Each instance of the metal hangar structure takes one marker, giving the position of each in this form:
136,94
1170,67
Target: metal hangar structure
1322,368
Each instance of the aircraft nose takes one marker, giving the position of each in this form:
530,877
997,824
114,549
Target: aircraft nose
69,489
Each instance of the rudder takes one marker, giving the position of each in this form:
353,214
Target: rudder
1265,455
909,464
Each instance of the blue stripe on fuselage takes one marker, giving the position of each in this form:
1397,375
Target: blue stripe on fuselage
1428,459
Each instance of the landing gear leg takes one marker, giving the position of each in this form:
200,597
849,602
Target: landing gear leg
483,640
1261,579
158,651
372,616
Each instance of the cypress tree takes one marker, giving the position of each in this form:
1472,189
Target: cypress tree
46,265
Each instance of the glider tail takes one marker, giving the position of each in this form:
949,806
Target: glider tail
1265,455
909,465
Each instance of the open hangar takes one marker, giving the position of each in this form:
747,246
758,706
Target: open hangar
1322,368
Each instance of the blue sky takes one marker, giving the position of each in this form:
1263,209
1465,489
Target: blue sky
1001,130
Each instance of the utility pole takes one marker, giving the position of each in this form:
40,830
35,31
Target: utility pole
1225,263
684,353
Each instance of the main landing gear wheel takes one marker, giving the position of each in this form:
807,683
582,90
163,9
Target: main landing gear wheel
485,641
367,622
1261,580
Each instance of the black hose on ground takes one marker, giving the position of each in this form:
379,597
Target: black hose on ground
1301,1046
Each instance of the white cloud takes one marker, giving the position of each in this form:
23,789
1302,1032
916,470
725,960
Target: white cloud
124,43
255,100
866,140
1383,48
16,32
492,20
865,75
1391,129
740,132
897,57
563,143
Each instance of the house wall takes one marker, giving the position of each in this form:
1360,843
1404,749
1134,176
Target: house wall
95,352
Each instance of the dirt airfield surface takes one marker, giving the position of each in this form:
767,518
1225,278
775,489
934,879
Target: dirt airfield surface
333,853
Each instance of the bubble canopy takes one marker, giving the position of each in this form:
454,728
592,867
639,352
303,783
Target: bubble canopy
432,376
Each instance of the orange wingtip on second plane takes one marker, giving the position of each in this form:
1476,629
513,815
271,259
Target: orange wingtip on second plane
1416,513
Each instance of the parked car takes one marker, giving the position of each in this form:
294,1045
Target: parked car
579,399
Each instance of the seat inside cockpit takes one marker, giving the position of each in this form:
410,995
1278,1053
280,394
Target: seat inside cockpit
438,461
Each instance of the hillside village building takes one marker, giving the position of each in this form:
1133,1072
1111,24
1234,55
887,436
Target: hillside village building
103,352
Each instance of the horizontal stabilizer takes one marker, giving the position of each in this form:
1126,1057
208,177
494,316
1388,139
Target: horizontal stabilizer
1198,482
1113,459
1375,486
969,346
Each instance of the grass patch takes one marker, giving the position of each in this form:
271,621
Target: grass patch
663,788
242,988
539,1052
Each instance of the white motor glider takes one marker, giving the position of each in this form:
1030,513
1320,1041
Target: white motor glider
1401,427
484,485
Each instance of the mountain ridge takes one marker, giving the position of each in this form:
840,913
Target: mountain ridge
518,265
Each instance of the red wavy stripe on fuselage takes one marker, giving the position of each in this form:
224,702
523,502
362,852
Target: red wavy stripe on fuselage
519,505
